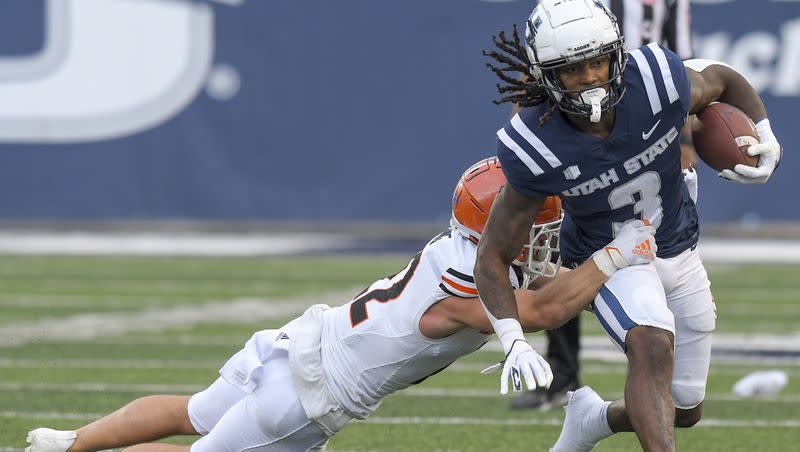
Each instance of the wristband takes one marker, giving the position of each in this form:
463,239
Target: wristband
508,330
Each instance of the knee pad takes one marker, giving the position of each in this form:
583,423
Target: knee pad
687,395
692,358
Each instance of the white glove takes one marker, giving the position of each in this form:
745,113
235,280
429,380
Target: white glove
635,244
521,360
769,152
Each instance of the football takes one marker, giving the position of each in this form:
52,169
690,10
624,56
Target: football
721,134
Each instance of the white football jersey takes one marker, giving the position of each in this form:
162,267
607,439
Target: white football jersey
372,346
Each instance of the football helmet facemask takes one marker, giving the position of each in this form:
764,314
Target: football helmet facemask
564,32
472,200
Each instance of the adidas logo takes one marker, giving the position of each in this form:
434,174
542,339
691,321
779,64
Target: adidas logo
644,249
282,335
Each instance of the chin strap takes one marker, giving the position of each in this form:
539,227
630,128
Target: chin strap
594,97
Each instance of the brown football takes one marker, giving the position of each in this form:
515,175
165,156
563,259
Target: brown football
722,134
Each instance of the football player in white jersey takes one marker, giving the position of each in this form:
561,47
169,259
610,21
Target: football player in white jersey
292,388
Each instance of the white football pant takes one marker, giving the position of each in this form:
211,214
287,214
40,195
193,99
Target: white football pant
674,294
270,419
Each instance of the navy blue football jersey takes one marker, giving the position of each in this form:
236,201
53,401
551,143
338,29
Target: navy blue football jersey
603,182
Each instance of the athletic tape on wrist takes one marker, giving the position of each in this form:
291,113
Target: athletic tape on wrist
508,330
604,262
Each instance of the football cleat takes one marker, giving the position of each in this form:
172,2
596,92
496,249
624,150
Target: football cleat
49,440
579,432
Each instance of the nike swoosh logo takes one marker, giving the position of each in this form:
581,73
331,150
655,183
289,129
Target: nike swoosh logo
646,135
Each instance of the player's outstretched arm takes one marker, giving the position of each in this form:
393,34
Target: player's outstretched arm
712,81
559,301
571,292
562,299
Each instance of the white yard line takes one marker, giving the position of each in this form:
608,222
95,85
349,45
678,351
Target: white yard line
413,420
210,364
736,349
410,392
35,363
183,339
85,327
787,423
740,251
103,387
726,348
159,244
712,250
594,346
492,393
622,368
51,415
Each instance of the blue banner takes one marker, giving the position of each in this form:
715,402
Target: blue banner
306,110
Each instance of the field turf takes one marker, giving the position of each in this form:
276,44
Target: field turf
79,337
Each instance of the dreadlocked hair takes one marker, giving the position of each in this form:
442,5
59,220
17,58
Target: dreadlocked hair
525,93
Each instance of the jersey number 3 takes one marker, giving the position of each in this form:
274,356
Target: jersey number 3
642,192
358,307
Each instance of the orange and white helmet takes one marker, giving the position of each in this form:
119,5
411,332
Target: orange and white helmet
472,200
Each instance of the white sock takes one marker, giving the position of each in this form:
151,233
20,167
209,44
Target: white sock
597,427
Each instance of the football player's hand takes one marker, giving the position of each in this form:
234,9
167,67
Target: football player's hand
769,155
522,362
635,244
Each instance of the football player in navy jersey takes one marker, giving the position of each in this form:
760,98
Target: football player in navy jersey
600,129
641,22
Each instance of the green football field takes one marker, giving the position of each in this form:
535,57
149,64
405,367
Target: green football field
80,337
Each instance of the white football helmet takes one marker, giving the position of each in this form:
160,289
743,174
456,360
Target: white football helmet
563,32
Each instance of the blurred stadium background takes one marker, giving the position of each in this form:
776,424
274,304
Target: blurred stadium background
175,174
